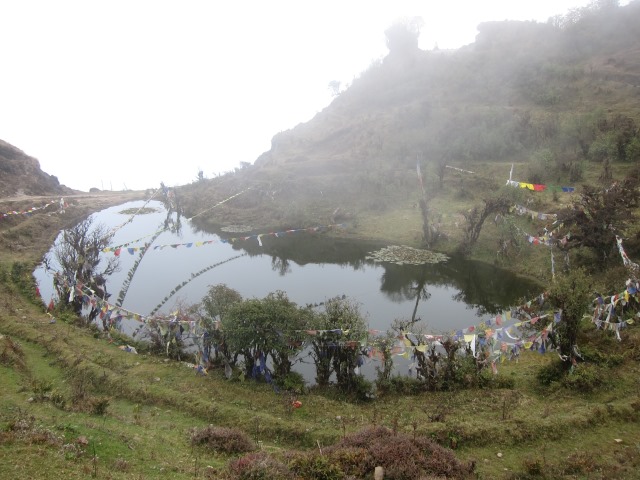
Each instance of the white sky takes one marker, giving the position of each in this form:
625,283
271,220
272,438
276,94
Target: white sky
119,93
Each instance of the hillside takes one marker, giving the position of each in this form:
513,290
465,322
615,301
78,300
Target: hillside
559,100
21,175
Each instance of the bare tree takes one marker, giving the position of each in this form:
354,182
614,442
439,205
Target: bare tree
78,254
334,87
475,218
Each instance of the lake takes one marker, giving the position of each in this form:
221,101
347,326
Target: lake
309,266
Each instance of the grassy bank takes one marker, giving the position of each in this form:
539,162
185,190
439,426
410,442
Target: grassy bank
74,405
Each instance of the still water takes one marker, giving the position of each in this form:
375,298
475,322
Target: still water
309,267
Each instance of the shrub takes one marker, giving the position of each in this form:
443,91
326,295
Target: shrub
41,389
98,405
292,382
597,357
361,389
586,378
552,372
533,466
316,467
579,463
257,466
402,456
485,378
401,385
352,460
221,439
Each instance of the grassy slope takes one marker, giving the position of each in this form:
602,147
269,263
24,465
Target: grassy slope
153,403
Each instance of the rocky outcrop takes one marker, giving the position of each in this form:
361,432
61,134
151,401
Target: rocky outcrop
20,174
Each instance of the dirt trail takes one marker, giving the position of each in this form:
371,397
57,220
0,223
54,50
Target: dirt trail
99,196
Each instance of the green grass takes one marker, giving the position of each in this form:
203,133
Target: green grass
153,403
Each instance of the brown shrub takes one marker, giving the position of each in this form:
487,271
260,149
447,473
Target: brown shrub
258,466
221,439
401,455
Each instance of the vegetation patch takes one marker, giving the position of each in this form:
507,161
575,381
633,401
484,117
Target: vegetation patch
402,255
237,228
222,439
138,211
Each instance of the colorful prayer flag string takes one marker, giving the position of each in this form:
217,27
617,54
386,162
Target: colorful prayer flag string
535,187
26,212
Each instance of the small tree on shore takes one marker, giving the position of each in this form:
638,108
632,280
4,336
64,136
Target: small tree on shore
212,310
599,214
475,217
570,295
338,343
81,266
262,328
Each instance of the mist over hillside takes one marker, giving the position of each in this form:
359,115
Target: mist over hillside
521,87
551,97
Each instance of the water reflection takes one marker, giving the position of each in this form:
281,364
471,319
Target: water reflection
309,267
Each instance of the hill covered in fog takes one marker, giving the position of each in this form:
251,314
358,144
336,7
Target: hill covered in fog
558,99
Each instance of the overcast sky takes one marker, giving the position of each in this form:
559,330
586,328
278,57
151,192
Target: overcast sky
114,94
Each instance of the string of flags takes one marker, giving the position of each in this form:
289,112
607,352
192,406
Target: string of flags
117,250
459,169
130,219
608,313
520,210
27,211
221,202
536,187
547,239
259,236
191,278
625,258
612,307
